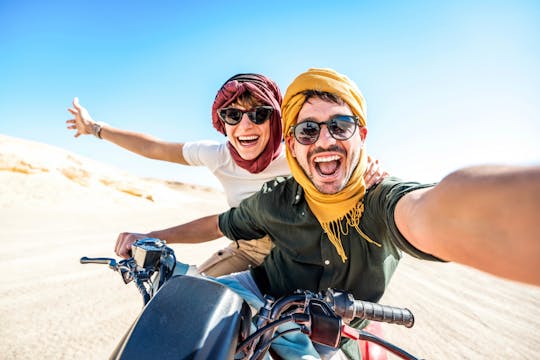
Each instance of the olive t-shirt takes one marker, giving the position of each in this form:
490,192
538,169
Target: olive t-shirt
304,258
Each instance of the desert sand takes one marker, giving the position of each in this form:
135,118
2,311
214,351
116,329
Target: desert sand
56,207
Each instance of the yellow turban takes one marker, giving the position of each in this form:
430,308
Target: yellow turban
329,209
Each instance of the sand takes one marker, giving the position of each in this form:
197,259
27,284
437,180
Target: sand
56,207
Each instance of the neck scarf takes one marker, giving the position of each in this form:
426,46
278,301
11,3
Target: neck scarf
264,90
329,209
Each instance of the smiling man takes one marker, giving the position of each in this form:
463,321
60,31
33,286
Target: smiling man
330,232
325,163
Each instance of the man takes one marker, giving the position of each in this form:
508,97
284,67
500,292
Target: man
329,232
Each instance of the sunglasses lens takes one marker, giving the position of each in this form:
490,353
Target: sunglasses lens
307,132
260,115
231,116
341,127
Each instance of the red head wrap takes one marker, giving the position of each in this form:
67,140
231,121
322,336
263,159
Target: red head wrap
264,90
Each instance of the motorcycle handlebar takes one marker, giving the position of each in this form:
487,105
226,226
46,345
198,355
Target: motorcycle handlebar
384,313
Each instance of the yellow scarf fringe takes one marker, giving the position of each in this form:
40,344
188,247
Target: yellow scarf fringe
334,229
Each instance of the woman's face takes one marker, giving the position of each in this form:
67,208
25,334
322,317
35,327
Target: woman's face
248,138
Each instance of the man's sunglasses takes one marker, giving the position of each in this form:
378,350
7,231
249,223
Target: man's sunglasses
341,127
233,116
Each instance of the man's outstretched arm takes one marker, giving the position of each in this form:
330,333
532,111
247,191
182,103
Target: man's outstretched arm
486,217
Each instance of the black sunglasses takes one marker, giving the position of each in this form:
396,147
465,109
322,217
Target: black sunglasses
233,116
341,127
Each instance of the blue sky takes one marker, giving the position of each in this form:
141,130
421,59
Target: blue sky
448,84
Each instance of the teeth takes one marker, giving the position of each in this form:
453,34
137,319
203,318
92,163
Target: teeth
326,158
247,138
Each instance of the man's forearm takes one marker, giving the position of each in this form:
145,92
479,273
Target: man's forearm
197,231
485,217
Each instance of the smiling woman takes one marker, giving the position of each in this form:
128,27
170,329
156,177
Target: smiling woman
249,135
246,110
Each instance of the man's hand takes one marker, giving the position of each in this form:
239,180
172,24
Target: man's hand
82,122
124,242
374,173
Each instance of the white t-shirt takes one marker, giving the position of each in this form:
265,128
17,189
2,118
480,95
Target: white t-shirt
237,182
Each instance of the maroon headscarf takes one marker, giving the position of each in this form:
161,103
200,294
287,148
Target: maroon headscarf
264,90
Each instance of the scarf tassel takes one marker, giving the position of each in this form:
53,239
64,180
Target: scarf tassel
334,229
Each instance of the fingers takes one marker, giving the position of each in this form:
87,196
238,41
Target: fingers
371,180
375,178
123,245
124,242
374,173
369,174
72,125
82,121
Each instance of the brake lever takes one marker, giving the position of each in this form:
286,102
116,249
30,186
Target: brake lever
107,261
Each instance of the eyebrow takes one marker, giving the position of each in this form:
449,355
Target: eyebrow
311,118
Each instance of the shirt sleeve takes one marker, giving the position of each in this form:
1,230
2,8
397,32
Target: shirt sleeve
243,222
204,153
386,198
260,213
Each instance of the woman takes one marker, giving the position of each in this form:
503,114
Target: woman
247,110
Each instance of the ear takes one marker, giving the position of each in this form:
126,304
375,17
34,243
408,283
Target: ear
363,132
289,140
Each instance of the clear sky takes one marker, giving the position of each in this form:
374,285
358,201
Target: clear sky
447,83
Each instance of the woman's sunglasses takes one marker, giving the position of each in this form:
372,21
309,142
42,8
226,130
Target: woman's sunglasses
233,116
341,127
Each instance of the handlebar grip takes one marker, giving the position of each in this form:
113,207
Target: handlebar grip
384,313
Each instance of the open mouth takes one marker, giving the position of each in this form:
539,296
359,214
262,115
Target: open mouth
248,140
327,165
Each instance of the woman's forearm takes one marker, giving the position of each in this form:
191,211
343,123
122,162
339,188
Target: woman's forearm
197,231
144,145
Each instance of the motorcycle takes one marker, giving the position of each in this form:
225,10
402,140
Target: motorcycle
194,317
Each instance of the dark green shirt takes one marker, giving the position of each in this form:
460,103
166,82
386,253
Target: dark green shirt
304,258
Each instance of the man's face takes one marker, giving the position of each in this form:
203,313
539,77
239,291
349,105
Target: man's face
328,162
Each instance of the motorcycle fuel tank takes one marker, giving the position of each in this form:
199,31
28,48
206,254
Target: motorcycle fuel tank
188,318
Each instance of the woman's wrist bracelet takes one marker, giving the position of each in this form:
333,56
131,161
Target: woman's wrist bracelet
96,128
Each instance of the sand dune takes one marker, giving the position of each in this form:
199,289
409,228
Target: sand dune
56,206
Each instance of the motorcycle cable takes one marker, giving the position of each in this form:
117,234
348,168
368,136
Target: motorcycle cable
297,318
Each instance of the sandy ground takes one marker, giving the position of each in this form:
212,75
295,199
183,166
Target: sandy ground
56,207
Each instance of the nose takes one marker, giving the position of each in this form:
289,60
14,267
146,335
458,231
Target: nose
325,138
245,122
